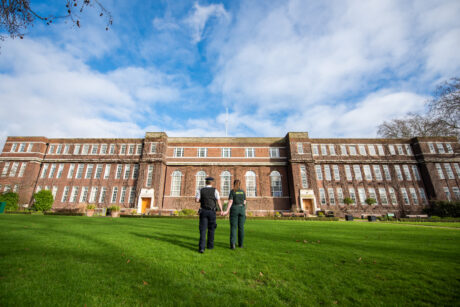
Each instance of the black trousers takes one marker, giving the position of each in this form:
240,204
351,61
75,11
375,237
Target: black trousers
207,221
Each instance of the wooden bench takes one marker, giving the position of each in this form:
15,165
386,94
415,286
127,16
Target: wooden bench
417,216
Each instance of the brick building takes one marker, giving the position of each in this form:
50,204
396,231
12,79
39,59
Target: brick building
291,173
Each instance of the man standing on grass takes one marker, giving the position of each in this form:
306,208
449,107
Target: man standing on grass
208,197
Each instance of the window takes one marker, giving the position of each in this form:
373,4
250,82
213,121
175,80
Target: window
336,172
456,192
315,150
112,151
319,173
225,183
226,152
299,148
66,149
71,170
202,152
371,150
103,149
107,171
407,172
58,149
85,149
76,149
400,150
352,150
398,173
275,184
343,150
14,169
449,148
362,195
22,148
123,195
176,183
94,149
22,169
303,176
119,170
457,169
84,195
348,173
362,150
386,171
44,170
440,148
394,201
114,195
5,169
391,148
65,194
416,173
330,193
8,188
135,171
138,149
357,171
340,195
52,170
123,149
274,152
250,153
449,172
89,171
323,150
127,171
405,196
103,195
332,150
93,195
15,188
51,149
153,148
29,148
327,172
131,149
431,146
178,152
372,194
322,196
408,149
447,192
251,184
352,193
377,172
440,172
380,149
98,172
80,171
383,196
413,194
200,180
14,147
74,194
423,195
149,176
132,196
54,191
367,172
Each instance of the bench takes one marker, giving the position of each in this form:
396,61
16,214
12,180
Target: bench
419,216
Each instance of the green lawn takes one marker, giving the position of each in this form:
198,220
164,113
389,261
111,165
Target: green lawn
78,261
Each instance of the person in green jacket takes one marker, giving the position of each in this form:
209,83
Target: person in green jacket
237,209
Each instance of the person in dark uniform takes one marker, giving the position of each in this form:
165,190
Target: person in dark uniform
209,198
237,208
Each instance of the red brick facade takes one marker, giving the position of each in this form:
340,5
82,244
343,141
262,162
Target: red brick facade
294,173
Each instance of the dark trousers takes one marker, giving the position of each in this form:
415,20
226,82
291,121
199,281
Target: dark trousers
237,219
207,221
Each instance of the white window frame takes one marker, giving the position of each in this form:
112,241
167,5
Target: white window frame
251,184
178,152
250,152
276,186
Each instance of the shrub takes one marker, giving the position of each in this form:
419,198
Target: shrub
90,206
370,201
187,212
443,208
115,208
434,217
348,200
277,214
43,200
11,200
320,213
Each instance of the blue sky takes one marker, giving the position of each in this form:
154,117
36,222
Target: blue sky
332,68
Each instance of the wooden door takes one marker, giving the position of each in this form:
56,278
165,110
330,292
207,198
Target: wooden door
308,206
145,204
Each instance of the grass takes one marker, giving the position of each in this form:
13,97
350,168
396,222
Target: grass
77,261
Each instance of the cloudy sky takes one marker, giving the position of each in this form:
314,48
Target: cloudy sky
332,68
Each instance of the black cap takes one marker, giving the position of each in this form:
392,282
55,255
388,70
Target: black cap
209,179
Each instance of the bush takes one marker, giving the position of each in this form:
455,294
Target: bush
43,200
115,208
277,214
187,212
434,217
90,206
370,201
443,208
320,213
11,200
348,200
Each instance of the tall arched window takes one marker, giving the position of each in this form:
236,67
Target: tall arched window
275,184
200,180
176,183
250,184
225,183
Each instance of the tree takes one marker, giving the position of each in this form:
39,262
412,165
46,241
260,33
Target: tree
441,119
43,200
11,200
17,15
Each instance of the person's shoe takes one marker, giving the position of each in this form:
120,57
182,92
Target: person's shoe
211,247
201,251
232,246
240,246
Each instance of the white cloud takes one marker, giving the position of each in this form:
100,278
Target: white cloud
200,16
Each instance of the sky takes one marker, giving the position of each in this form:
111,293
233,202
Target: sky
331,68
